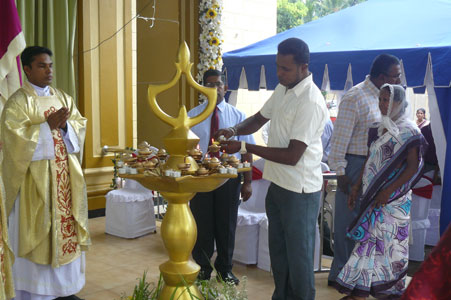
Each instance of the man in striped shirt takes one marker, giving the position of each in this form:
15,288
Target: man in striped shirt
358,110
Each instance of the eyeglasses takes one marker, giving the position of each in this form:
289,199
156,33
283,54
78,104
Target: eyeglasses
398,76
214,84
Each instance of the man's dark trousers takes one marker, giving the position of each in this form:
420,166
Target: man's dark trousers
216,217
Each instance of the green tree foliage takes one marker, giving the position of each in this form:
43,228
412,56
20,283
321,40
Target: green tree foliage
313,9
291,13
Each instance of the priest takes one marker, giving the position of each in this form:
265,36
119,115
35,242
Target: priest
45,193
6,256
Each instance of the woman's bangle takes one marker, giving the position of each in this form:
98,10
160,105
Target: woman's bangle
234,131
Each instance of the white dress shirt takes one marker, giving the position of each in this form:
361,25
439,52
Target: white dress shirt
299,114
228,116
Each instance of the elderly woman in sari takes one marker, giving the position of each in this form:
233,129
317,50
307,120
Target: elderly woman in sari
378,263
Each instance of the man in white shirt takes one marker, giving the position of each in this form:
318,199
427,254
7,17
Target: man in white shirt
325,137
298,113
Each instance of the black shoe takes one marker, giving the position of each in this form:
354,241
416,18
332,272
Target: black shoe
228,277
204,274
72,297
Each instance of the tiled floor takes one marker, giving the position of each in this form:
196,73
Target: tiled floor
114,264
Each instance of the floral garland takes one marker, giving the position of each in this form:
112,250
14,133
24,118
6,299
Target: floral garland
210,54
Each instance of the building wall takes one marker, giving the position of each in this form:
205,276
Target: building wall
118,57
247,21
176,21
157,47
106,87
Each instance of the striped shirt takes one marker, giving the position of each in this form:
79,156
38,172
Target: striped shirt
357,111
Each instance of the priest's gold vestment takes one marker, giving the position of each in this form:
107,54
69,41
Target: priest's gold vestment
53,215
6,255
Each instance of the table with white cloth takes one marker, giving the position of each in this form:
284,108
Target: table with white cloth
251,238
130,211
250,214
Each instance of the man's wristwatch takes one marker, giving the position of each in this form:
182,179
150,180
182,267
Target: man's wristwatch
243,148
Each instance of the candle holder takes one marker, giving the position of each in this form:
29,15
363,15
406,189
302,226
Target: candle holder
178,228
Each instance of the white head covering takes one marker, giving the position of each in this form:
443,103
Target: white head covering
397,114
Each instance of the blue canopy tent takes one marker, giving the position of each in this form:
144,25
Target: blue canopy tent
343,46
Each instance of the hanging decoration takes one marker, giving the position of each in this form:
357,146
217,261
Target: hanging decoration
210,40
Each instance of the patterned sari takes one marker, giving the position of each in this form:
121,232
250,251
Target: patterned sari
378,263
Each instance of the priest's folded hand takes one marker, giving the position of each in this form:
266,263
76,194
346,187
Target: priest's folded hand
58,119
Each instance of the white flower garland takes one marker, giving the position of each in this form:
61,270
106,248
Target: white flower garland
210,40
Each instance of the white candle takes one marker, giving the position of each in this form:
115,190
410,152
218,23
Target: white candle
232,171
133,171
177,173
120,164
222,170
240,165
169,173
122,171
247,164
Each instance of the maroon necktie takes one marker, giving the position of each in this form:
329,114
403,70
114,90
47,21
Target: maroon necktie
214,126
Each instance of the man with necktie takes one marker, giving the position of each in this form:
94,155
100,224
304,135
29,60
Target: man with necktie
216,212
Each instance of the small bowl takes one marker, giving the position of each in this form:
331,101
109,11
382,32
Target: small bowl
183,166
197,158
233,158
148,165
233,161
144,151
214,148
129,159
206,161
224,157
162,153
214,163
194,152
137,165
144,144
202,171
